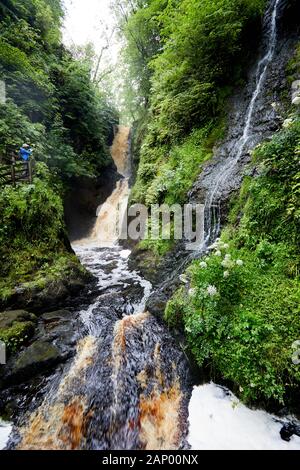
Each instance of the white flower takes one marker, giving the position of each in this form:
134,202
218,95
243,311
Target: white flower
192,292
214,246
212,290
241,389
226,263
287,123
226,274
183,278
218,253
239,262
203,265
228,256
226,246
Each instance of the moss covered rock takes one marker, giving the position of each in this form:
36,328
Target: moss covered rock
16,328
8,318
48,289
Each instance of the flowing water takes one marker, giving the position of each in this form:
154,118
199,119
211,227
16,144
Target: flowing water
128,385
246,142
5,430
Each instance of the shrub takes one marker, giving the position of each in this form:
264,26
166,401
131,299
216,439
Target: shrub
32,212
17,335
242,317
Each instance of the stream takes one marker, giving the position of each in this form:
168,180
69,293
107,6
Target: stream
129,385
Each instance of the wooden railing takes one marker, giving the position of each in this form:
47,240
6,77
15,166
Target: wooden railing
16,171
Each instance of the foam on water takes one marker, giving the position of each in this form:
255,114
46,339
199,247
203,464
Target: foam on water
5,430
218,420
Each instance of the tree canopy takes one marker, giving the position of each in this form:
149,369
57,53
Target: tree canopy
51,99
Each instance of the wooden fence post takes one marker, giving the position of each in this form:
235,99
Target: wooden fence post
30,171
13,172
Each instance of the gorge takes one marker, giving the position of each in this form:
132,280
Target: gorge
136,358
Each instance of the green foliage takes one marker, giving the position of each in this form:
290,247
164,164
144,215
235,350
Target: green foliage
140,23
182,48
33,248
15,128
175,308
30,213
272,208
158,247
246,327
53,104
293,69
51,99
86,116
171,171
34,268
187,56
17,335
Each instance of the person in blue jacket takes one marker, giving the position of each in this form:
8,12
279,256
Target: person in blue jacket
25,152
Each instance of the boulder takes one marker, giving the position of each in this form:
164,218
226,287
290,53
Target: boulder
16,328
156,303
35,298
57,315
38,357
75,286
289,430
8,318
36,346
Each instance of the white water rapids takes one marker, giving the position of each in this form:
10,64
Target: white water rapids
142,354
5,430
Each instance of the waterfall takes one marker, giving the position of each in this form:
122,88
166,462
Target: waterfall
105,231
243,144
127,385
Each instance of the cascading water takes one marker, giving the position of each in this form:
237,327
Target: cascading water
215,407
127,386
223,174
245,142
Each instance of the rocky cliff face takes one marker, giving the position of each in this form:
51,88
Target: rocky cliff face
83,199
271,104
268,117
